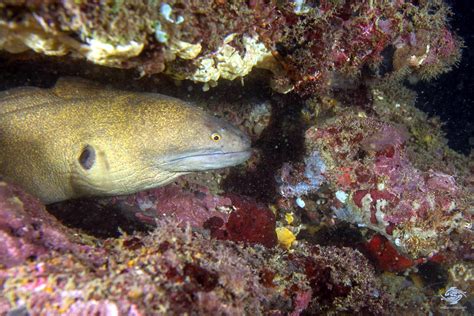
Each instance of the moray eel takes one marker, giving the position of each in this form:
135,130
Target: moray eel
81,139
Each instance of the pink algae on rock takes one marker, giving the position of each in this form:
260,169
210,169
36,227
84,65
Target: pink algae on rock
177,268
231,217
369,164
180,271
228,217
334,41
28,231
193,205
250,222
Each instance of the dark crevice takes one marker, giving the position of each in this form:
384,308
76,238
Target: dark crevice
282,141
95,219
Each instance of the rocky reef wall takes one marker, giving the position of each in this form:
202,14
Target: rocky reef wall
352,202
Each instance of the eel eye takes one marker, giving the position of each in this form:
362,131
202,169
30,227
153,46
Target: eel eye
87,157
216,137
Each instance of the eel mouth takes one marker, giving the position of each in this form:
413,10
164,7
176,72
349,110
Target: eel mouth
190,162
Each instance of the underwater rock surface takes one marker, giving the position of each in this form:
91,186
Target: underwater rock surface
177,271
310,47
383,190
28,231
352,202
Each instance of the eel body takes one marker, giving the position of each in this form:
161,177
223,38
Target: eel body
81,139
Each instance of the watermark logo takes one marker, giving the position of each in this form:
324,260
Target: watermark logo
453,295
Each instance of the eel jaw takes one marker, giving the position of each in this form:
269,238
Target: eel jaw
191,162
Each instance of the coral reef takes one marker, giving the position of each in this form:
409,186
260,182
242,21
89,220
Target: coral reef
380,188
375,185
336,41
176,271
352,202
385,255
250,222
379,171
312,47
385,168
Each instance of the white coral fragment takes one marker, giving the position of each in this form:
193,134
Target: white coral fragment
228,63
106,54
185,50
30,33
